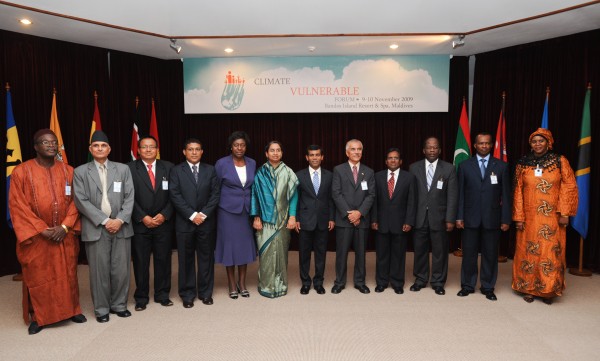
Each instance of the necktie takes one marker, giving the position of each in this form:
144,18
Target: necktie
315,181
105,204
482,168
391,185
195,172
429,175
151,175
355,174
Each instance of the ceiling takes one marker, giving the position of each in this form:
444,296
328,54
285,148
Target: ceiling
286,28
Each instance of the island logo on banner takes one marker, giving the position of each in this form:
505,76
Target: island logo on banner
233,92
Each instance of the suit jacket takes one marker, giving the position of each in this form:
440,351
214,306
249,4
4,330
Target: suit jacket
392,214
88,198
348,196
235,198
314,211
439,205
188,197
150,201
481,203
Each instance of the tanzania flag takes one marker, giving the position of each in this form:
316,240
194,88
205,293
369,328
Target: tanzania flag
135,135
462,149
580,221
500,144
96,125
13,148
61,155
154,130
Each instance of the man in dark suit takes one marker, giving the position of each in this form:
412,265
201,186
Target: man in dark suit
152,224
314,217
353,192
392,217
195,195
104,196
437,196
484,209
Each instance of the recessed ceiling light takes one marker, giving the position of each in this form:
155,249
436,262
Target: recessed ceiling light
25,21
229,50
394,46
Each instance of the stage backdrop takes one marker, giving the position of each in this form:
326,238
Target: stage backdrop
317,84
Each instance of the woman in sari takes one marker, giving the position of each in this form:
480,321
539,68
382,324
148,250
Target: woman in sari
545,196
273,205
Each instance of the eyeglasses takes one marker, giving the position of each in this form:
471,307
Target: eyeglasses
48,142
149,147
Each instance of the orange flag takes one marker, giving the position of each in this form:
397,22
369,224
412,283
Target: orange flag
61,155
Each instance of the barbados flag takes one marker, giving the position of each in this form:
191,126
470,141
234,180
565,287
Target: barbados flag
580,221
13,148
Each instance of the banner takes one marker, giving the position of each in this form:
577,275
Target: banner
583,174
96,125
13,148
134,133
61,154
317,84
462,149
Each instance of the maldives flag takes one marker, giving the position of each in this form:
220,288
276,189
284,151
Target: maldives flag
154,130
462,150
500,145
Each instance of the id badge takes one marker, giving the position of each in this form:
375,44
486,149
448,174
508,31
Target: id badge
363,185
67,190
538,172
117,187
165,185
494,178
440,184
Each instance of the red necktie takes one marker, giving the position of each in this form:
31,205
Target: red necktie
151,175
391,185
355,174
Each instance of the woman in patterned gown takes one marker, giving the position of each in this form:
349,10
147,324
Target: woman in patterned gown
545,196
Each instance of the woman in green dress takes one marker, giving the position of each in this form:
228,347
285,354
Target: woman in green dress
273,205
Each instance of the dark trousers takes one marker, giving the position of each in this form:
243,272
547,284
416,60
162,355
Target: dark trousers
472,239
158,243
346,237
422,238
391,259
309,241
191,246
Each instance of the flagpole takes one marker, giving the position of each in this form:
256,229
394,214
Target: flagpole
580,271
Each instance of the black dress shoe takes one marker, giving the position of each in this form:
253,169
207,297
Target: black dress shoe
123,314
320,290
79,318
464,292
34,328
337,289
363,289
439,290
491,296
103,319
207,301
188,304
415,287
379,289
167,302
399,290
304,290
140,306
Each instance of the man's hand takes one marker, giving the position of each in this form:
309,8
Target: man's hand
199,219
504,227
149,222
331,225
520,226
354,216
297,227
374,226
113,225
291,224
449,226
406,228
55,234
460,224
257,224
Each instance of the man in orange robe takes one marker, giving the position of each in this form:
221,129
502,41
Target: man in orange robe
45,221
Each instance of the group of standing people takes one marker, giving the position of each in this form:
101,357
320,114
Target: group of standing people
235,210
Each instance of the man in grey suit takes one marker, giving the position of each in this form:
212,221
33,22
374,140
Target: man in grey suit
314,217
104,196
195,192
353,192
437,197
392,217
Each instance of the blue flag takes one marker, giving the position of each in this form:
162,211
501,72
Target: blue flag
13,148
545,115
581,220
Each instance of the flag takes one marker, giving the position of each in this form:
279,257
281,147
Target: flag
462,150
580,221
96,125
13,148
61,155
545,115
154,130
135,136
500,144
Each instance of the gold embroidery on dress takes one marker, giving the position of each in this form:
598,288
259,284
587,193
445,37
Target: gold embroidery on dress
545,231
557,286
545,208
539,285
557,249
544,186
527,266
533,248
521,283
546,267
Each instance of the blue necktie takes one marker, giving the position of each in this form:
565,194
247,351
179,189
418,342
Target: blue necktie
429,175
482,168
315,182
195,171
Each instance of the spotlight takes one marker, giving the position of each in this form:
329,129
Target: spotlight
460,42
176,48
